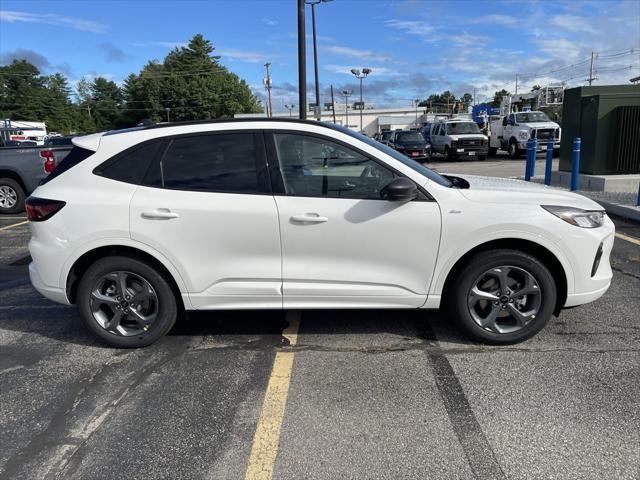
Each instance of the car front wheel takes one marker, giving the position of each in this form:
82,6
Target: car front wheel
503,296
126,302
11,196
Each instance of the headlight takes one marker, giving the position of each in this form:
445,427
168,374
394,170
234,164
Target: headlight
577,216
523,135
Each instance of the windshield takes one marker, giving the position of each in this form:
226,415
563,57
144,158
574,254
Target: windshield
406,137
386,135
532,117
460,128
418,167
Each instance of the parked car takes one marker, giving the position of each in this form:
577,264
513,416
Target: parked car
411,144
58,141
459,138
22,167
386,136
135,226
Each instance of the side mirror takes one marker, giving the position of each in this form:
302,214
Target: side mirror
399,190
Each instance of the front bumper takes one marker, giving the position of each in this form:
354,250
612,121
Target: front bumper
542,146
464,152
589,285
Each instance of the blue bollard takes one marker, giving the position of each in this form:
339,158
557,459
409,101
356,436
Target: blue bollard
534,151
575,165
549,164
527,163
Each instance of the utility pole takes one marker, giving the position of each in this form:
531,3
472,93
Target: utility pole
474,96
516,83
267,85
302,65
167,109
416,101
333,105
591,77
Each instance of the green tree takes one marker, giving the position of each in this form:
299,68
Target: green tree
190,84
498,96
106,102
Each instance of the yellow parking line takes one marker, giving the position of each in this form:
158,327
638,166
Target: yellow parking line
628,238
14,225
13,218
267,437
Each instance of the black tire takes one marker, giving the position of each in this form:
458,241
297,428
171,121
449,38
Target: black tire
9,185
482,157
458,299
493,151
514,151
167,305
448,154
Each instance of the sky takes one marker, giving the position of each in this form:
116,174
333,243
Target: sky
414,48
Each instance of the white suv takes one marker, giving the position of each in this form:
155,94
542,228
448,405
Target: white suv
136,225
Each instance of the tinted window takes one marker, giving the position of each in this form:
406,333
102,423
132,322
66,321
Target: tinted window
222,162
317,167
132,165
75,156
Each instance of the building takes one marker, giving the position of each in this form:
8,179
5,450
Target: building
374,120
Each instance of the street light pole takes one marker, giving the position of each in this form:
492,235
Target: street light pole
168,110
416,101
302,66
360,76
290,108
313,4
346,94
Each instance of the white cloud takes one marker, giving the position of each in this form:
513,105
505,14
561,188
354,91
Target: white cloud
465,39
573,23
412,27
269,21
559,48
52,19
497,19
235,54
361,54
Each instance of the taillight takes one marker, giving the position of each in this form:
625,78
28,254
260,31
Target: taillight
40,209
49,160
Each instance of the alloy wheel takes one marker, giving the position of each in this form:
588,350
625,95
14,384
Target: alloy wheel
504,299
8,197
124,303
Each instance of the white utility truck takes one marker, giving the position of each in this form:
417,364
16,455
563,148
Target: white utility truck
521,120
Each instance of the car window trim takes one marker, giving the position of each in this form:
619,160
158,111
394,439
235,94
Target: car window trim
277,180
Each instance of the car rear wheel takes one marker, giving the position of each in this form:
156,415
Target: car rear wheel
126,302
11,196
493,151
448,154
503,296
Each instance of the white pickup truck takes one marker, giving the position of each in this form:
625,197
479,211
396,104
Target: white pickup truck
512,132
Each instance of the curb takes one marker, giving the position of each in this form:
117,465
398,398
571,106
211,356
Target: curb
625,211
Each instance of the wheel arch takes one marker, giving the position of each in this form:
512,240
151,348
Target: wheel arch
13,175
548,258
84,261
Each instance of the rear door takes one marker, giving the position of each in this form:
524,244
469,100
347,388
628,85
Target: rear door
206,205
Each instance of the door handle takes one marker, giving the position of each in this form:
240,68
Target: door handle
160,214
309,218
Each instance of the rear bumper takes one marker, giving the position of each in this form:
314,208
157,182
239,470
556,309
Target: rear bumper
57,295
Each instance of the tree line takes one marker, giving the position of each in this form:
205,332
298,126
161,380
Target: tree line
447,102
189,84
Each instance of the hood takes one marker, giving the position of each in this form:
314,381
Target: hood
512,191
538,125
469,136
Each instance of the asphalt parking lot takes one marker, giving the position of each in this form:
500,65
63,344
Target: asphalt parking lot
371,394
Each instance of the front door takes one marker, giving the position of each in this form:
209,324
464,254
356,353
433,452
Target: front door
207,207
342,245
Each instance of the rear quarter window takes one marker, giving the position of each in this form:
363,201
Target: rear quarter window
131,165
75,156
